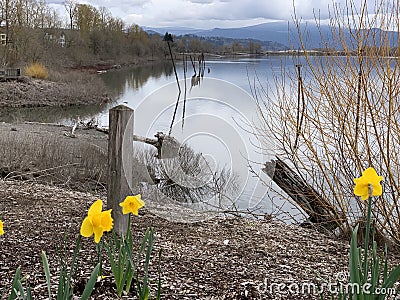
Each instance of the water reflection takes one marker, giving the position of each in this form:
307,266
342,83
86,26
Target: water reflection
119,81
62,115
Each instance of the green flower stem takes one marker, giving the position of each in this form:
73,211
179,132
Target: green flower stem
367,232
129,226
99,248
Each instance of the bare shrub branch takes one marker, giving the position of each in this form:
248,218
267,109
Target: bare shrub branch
351,118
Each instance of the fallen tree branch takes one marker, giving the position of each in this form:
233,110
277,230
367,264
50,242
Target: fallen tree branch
321,212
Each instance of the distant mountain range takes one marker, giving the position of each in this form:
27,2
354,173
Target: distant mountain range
284,33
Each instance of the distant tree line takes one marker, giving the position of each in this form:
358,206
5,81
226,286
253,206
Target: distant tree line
223,45
30,30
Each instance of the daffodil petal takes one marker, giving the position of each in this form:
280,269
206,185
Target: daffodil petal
359,180
376,190
1,228
135,211
95,208
140,202
86,227
371,175
360,189
106,220
124,206
98,233
125,210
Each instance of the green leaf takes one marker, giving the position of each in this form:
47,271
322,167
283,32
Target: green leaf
17,275
46,272
75,256
159,276
65,290
29,293
143,244
147,262
61,283
111,254
147,294
90,284
385,267
129,277
130,270
129,255
375,267
394,275
354,262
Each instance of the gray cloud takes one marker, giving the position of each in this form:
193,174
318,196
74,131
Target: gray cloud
55,2
202,1
127,4
212,13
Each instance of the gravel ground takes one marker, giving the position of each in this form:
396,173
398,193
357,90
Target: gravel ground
221,258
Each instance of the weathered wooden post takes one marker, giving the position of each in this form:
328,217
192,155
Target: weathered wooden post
120,155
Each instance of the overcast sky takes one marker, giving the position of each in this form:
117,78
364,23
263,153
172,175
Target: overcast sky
207,14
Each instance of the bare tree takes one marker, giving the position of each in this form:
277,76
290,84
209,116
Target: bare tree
105,16
70,6
7,10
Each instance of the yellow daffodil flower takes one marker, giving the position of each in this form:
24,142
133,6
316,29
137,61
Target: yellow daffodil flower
97,221
132,204
369,178
1,228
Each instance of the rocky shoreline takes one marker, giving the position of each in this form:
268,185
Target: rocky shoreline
30,92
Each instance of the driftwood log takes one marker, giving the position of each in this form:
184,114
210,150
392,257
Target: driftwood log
321,213
167,146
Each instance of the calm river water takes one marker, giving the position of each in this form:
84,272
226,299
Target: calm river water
220,115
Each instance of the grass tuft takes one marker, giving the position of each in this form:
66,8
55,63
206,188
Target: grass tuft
52,158
36,70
